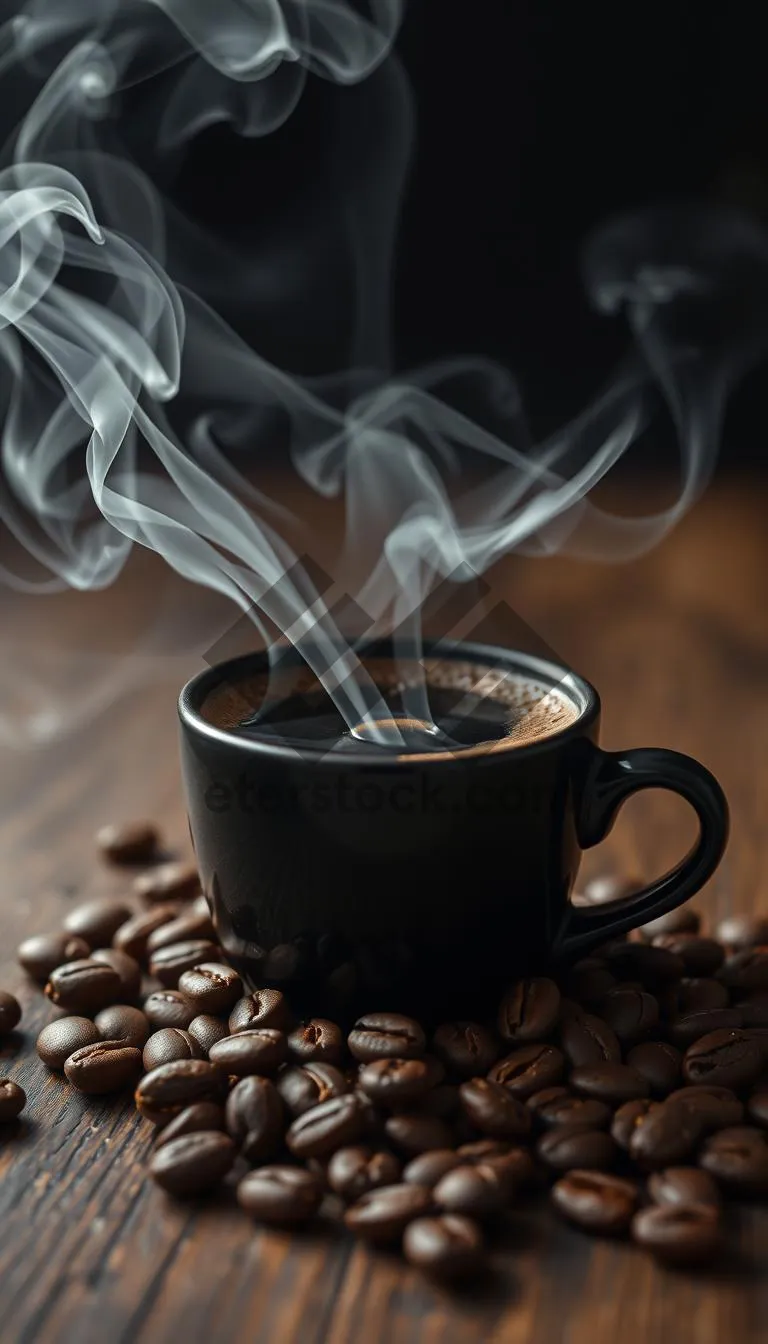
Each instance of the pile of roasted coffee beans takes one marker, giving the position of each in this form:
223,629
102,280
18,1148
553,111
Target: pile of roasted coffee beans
636,1086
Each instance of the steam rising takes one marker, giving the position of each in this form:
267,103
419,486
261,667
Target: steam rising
120,385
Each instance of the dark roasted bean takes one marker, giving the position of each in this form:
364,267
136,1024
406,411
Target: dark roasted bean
183,928
738,1157
466,1048
62,1038
493,1110
176,881
746,971
717,1107
382,1215
202,1115
39,956
168,1044
250,1052
395,1082
128,841
167,964
725,1058
681,920
528,1069
428,1168
641,961
631,1013
415,1133
83,986
330,1125
448,1247
659,1063
386,1036
474,1189
684,1031
169,1089
565,1149
529,1012
514,1164
584,1112
127,968
10,1011
123,1023
683,1185
587,1039
588,981
254,1116
678,1234
757,1107
168,1008
596,1201
192,1163
207,1030
104,1066
700,956
304,1087
614,1083
627,1119
738,932
316,1040
279,1195
543,1098
352,1172
211,987
666,1136
262,1008
97,922
13,1099
132,936
694,994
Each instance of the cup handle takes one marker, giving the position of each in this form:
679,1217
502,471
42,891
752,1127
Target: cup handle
605,781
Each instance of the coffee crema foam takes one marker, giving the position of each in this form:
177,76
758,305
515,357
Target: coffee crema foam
516,708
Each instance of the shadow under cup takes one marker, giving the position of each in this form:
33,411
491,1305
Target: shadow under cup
423,878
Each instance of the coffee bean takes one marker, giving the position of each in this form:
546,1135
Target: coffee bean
716,1107
249,1052
584,1112
280,1196
678,1234
83,986
614,1083
659,1063
725,1058
330,1125
170,1088
587,1039
62,1038
13,1099
168,1044
465,1048
382,1215
97,922
757,1107
193,1163
10,1011
211,988
386,1036
480,1150
128,841
738,932
167,964
263,1008
746,971
491,1108
738,1157
694,994
529,1012
627,1119
202,1115
352,1172
123,1023
168,1008
317,1039
474,1189
683,1185
413,1133
631,1013
667,1135
127,968
207,1030
428,1168
529,1068
104,1066
395,1082
596,1201
653,966
39,956
448,1247
588,981
685,1031
254,1117
700,956
545,1096
183,928
681,920
303,1088
564,1149
177,881
132,937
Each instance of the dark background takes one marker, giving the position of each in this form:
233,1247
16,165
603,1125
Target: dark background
535,121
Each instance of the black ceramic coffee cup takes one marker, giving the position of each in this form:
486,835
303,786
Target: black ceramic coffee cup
421,883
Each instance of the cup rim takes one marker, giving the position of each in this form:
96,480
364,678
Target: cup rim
580,691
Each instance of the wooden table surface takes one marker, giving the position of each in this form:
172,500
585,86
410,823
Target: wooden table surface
89,1251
